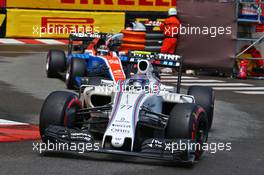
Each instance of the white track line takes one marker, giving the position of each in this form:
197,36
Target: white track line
193,81
216,84
250,92
9,122
10,41
238,88
175,77
50,41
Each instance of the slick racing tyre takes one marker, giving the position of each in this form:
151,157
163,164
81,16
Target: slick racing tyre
76,68
204,97
188,121
59,109
55,63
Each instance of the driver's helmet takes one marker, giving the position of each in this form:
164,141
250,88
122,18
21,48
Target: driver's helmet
102,50
139,82
139,27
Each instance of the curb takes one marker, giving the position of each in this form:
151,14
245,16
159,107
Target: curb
12,131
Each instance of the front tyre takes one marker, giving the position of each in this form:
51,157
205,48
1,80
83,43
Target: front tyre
204,97
59,109
188,121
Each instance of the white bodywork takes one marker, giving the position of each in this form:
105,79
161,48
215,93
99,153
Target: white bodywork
126,106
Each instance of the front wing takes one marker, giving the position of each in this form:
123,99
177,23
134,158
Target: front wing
152,148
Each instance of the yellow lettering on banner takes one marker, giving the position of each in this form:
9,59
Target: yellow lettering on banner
58,24
122,5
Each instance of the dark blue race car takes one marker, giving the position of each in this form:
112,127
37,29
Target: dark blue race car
87,62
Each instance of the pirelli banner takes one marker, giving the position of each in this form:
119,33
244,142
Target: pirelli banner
113,5
59,24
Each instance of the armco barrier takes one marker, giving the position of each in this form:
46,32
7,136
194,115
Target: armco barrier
58,24
120,5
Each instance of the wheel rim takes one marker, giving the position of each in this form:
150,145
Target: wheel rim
68,75
201,134
70,113
68,117
47,63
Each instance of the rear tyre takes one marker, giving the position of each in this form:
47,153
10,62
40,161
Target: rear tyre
204,97
59,109
55,63
76,68
188,121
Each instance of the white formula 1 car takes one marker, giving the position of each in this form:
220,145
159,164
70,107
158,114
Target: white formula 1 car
137,117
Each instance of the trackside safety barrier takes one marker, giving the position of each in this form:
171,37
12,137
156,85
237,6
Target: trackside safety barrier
148,41
133,40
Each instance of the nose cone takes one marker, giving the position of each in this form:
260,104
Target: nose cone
117,142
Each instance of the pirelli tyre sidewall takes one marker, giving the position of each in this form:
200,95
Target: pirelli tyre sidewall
77,67
188,121
59,109
204,96
55,63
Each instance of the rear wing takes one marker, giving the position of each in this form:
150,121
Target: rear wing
157,59
85,39
87,36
